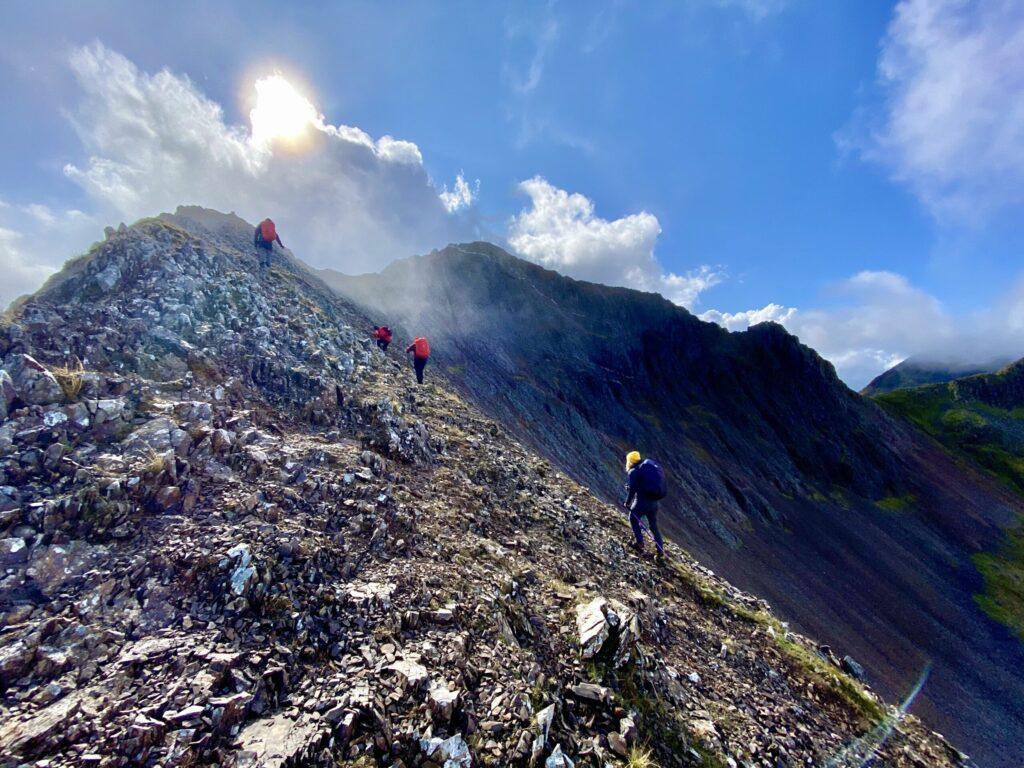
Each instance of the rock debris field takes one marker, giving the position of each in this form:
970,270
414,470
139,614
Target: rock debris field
233,532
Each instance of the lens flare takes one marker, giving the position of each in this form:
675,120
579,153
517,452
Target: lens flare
859,752
281,112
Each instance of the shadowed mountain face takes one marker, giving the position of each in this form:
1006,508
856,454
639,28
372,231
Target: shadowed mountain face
980,419
855,525
914,372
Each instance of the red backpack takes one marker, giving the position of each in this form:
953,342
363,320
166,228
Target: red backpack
421,348
268,231
385,334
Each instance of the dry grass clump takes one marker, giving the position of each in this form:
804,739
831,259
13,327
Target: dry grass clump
70,377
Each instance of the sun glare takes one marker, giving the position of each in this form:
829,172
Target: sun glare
281,112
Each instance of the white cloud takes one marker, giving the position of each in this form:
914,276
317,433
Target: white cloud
560,230
340,198
740,321
950,125
876,319
21,274
461,195
543,36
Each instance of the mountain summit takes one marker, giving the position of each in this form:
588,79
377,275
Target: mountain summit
852,523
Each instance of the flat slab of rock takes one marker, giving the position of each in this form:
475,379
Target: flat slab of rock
276,742
27,735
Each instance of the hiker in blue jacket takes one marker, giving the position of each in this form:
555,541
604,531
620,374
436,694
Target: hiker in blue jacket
645,488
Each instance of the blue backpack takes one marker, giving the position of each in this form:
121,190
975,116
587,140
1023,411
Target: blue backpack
650,480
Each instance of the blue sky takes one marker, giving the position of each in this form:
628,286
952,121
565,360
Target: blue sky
851,169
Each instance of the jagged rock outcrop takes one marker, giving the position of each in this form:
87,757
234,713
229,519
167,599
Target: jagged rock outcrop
1004,389
242,536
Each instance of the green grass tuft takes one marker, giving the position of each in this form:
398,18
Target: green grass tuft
1003,571
896,503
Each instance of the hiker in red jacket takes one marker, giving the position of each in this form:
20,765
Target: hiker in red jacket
266,234
421,351
382,335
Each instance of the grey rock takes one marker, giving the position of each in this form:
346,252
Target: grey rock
852,668
13,552
107,279
33,382
452,752
274,742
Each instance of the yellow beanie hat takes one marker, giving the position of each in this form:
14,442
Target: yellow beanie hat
633,457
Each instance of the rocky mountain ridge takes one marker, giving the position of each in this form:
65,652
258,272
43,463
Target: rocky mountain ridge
915,372
234,533
853,524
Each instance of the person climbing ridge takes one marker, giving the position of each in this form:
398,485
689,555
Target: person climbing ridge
420,349
646,487
382,334
264,237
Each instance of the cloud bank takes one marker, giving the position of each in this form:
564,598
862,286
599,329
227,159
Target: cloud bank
949,122
561,231
339,196
876,319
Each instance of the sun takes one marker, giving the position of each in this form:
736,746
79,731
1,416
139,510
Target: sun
281,112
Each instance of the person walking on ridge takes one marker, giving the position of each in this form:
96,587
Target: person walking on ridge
420,349
646,486
264,238
382,335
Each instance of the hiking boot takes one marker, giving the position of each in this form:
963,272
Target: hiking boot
659,558
638,548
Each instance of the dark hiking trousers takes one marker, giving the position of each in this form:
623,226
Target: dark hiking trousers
419,363
266,249
383,345
645,508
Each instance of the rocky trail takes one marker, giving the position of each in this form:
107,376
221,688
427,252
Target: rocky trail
234,533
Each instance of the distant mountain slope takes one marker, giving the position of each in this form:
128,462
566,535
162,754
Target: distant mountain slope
852,523
980,418
913,372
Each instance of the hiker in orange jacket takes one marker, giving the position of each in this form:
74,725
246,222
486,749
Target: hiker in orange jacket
382,335
264,238
420,349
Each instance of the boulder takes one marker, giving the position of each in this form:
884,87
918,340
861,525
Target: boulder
15,660
558,759
413,674
592,627
33,382
452,752
13,552
617,744
108,278
607,629
852,668
7,394
157,436
442,701
278,741
244,571
592,692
